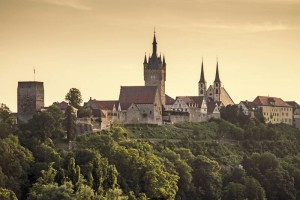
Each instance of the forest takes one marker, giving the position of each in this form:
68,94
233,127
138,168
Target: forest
234,158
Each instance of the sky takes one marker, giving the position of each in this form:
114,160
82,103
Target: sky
98,46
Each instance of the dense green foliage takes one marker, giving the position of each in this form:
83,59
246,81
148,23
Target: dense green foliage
232,159
74,97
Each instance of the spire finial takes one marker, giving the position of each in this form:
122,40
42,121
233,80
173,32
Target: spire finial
217,78
154,43
202,79
145,59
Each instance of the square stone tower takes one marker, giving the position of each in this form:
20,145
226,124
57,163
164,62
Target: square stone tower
30,99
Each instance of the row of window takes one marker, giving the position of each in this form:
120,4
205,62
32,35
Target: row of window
285,120
281,109
275,114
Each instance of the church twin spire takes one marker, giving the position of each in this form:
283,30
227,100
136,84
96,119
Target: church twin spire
217,77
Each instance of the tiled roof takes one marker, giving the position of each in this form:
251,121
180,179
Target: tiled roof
211,106
104,105
293,104
137,95
269,101
61,105
169,100
192,100
249,105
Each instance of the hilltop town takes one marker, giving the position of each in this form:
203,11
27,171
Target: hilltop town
150,104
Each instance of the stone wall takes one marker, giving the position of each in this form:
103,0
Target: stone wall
30,99
143,114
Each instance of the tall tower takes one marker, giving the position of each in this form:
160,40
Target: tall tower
217,85
30,99
155,71
202,83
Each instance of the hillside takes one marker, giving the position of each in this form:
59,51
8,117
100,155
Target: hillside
208,160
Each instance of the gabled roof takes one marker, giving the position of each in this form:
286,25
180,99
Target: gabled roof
169,100
211,106
61,105
294,104
269,101
248,104
192,100
137,95
104,105
225,97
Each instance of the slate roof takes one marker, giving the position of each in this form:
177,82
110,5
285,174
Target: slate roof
61,105
169,100
192,100
137,95
294,104
269,101
211,106
104,105
249,105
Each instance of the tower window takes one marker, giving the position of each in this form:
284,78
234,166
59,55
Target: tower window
217,85
201,92
217,91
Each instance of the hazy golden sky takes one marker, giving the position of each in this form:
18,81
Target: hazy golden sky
97,46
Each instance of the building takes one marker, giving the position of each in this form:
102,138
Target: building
150,104
169,103
247,107
155,71
215,92
140,105
63,106
194,105
30,99
104,113
213,110
296,113
274,110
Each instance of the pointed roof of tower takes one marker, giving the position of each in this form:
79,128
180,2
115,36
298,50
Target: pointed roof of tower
202,79
154,39
154,44
145,59
164,60
217,78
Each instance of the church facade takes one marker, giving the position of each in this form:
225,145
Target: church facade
215,92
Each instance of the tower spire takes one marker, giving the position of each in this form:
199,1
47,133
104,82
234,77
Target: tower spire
154,43
202,79
217,78
145,59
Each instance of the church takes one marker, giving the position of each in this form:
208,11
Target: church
149,104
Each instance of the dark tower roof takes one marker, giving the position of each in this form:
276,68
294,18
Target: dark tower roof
154,62
202,79
217,79
164,60
145,59
154,44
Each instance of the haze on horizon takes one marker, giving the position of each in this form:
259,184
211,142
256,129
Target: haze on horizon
97,46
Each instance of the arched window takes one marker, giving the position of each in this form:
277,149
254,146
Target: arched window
217,91
201,91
